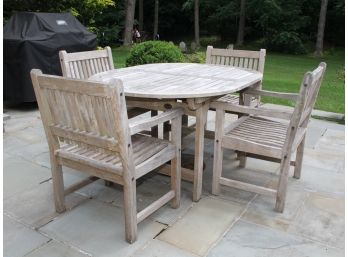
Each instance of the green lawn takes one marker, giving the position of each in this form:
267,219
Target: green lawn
120,55
285,72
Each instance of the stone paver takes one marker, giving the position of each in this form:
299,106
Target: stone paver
261,209
56,249
168,215
235,223
321,218
158,248
148,191
35,207
32,151
97,190
20,174
320,158
20,240
328,151
250,240
98,228
13,144
316,132
332,140
202,225
321,180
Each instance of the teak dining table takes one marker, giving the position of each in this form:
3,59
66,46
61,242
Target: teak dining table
191,86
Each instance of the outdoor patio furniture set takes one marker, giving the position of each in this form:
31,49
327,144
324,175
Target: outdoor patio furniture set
90,120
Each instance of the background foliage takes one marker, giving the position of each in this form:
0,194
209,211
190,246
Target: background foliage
154,52
281,25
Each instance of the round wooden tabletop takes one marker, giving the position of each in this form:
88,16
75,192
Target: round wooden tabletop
180,80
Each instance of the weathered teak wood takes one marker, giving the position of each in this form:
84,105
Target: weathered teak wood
186,174
181,80
82,65
252,60
188,85
87,129
266,138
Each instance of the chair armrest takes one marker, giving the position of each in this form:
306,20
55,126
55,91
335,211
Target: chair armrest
252,110
146,123
288,96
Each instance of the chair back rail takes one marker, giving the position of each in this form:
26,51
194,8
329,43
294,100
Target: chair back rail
82,65
254,60
87,114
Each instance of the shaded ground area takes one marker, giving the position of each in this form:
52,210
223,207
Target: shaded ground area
236,223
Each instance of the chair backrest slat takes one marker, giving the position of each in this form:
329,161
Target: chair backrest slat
84,113
82,65
238,58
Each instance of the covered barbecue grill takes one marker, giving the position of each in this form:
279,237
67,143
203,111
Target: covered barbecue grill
33,40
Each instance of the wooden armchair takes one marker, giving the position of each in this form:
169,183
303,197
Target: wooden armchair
87,129
253,60
267,138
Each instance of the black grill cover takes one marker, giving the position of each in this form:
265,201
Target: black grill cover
33,40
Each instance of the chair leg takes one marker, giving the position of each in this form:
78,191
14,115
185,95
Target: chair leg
175,180
175,172
242,159
217,167
299,159
282,185
218,151
154,130
58,187
130,210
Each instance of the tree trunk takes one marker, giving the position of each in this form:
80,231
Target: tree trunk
141,15
129,22
155,22
241,27
197,22
321,29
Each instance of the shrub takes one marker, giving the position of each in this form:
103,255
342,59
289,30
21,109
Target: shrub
198,57
287,42
154,52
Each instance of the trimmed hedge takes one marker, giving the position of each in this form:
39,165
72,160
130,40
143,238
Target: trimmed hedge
154,52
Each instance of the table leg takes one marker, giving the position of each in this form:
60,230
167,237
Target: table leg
201,120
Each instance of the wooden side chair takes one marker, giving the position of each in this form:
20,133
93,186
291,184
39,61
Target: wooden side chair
87,129
267,138
253,60
82,65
